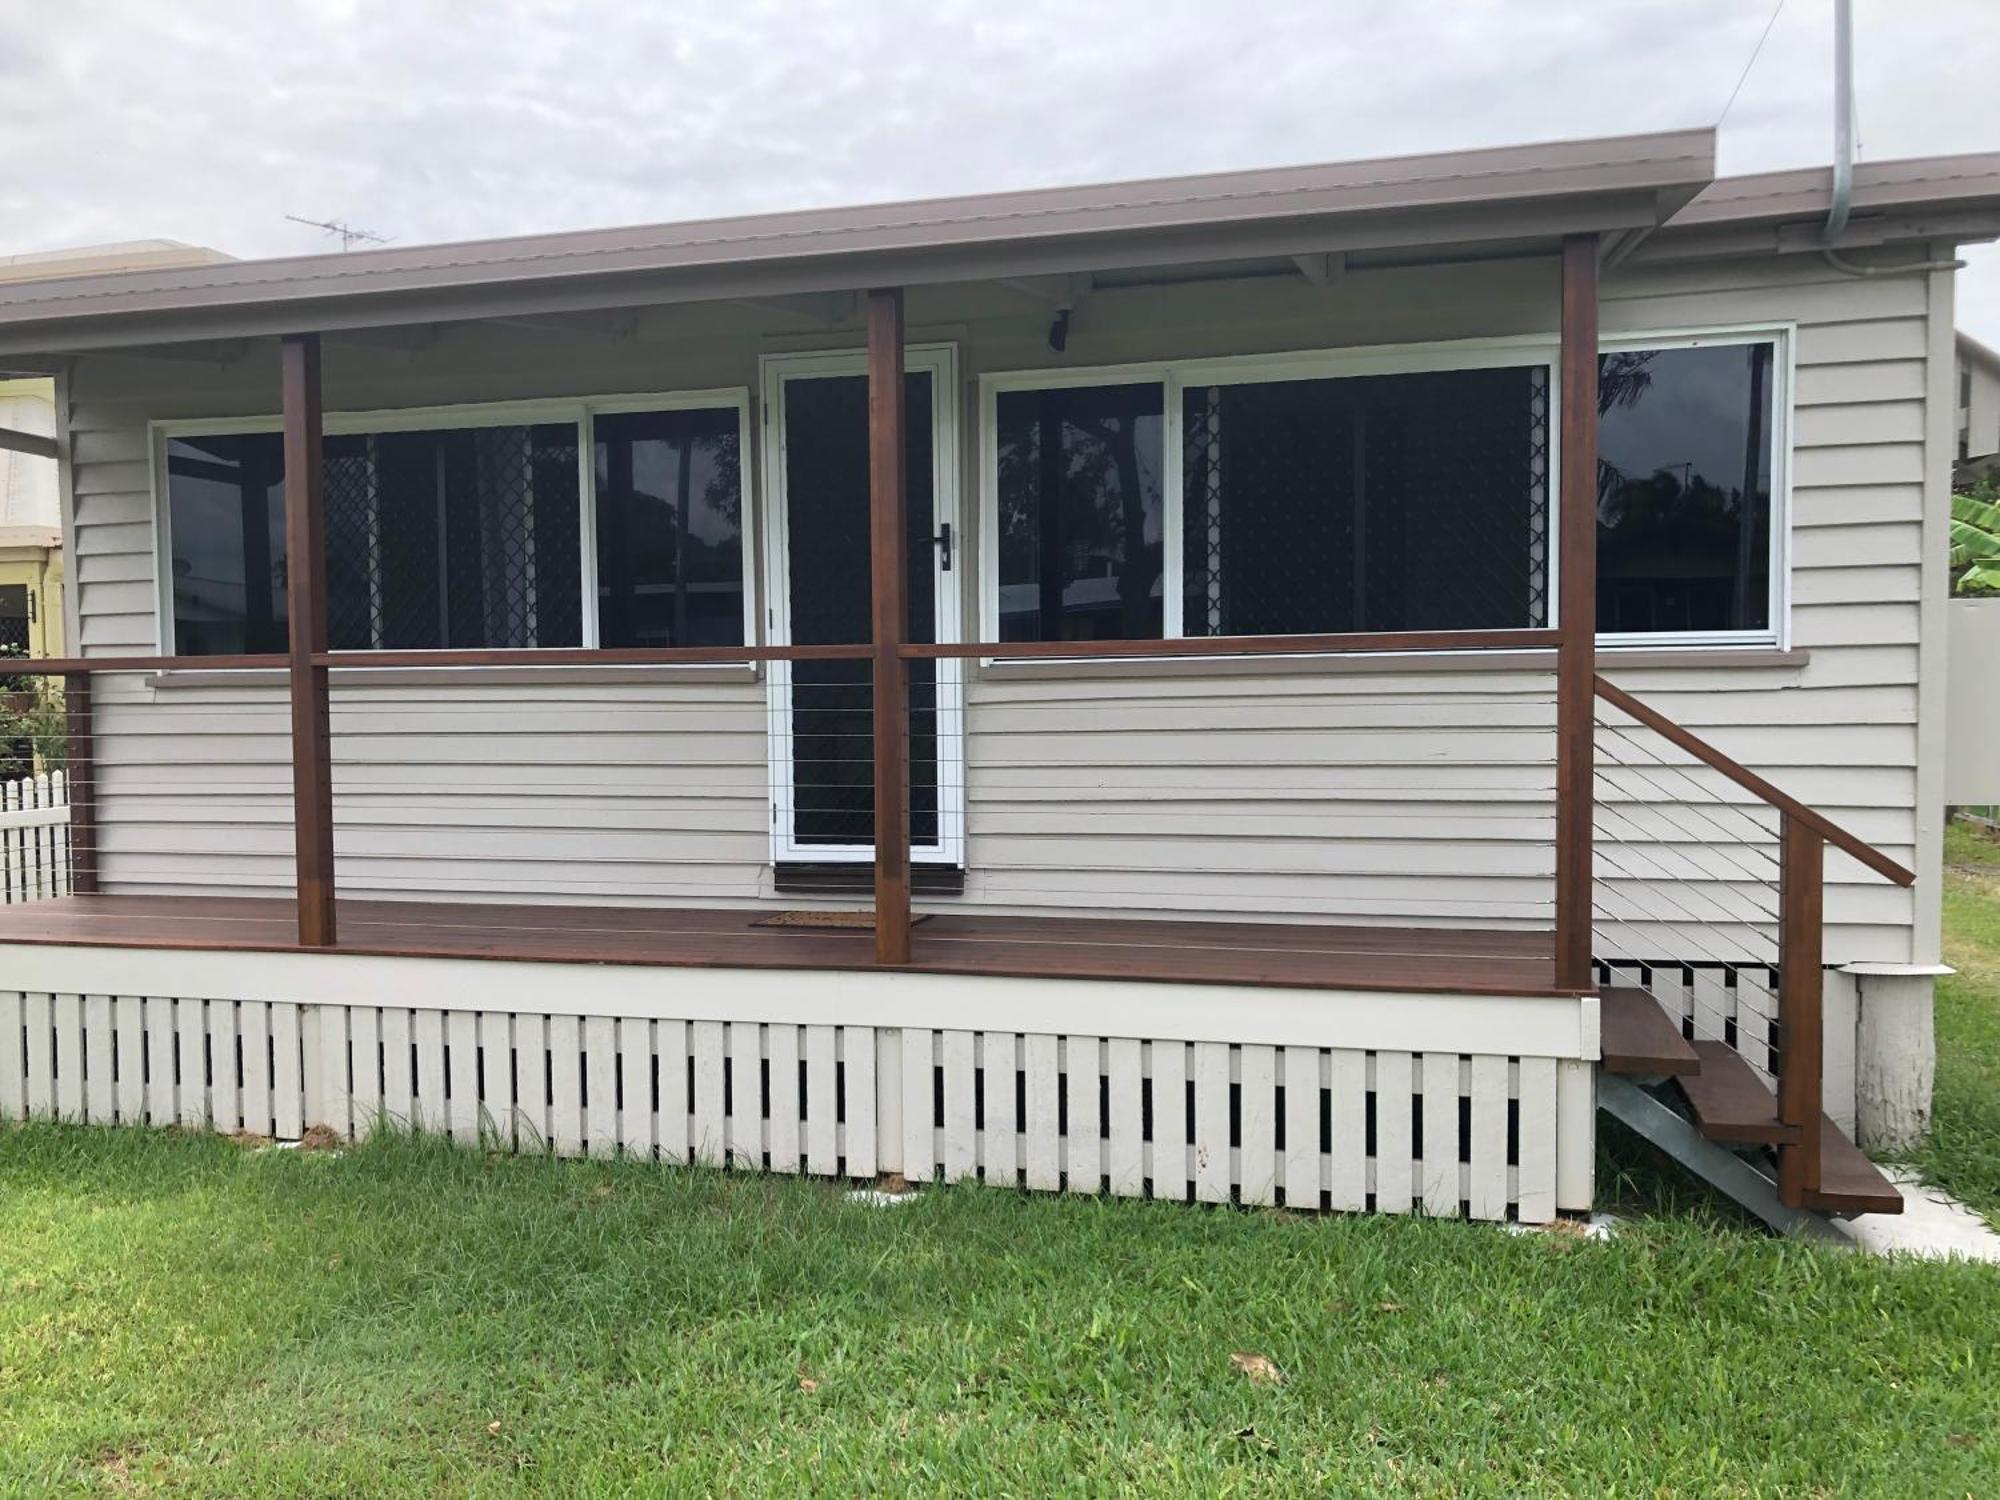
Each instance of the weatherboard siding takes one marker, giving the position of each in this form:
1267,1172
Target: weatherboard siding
1176,788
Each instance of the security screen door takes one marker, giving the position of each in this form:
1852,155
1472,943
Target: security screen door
817,571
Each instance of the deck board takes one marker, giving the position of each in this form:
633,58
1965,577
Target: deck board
1283,955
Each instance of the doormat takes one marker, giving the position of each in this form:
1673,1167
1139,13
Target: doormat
841,921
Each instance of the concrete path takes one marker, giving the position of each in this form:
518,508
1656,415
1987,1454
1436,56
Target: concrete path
1933,1224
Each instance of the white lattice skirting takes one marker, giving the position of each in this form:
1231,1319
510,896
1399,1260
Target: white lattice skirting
1309,1126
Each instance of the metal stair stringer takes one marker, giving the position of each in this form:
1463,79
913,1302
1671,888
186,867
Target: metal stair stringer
1718,1166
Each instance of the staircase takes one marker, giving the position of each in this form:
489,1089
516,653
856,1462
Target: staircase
1709,1085
1698,1097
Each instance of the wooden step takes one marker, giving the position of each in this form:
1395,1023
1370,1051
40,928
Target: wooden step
1732,1105
1637,1038
1849,1183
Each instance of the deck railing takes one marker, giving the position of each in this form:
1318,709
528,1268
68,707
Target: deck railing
434,755
1732,858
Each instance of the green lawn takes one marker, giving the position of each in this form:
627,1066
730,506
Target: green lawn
183,1315
1964,1151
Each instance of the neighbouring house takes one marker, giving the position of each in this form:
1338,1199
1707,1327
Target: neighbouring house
31,569
1296,685
30,521
1978,400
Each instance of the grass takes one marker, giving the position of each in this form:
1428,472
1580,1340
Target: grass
1963,1154
182,1315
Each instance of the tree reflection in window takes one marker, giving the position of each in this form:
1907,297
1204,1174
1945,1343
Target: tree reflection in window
1684,489
1080,502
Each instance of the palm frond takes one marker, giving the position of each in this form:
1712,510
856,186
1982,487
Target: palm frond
1975,544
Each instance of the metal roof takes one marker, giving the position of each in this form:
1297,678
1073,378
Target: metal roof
1807,192
1970,348
1660,185
1504,192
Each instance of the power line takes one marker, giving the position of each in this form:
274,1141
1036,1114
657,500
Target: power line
1744,76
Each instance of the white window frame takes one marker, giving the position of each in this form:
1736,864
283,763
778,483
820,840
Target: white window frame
477,414
1176,375
1783,337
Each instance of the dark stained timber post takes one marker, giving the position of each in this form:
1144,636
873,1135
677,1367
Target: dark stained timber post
305,610
1576,658
1801,999
80,771
889,572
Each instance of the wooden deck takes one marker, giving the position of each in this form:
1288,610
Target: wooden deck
1283,955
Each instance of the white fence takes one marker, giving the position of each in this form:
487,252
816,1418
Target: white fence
1972,693
34,837
1311,1127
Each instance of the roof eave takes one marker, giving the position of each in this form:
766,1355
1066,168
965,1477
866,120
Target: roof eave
625,281
1927,200
1494,194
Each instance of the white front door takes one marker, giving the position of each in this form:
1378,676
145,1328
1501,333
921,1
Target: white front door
816,572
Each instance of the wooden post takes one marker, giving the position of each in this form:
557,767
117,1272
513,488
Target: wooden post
1801,998
889,575
1576,658
80,772
305,611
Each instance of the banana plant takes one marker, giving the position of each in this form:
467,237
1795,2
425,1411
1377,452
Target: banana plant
1975,545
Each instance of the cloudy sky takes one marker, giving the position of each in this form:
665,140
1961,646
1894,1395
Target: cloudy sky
210,120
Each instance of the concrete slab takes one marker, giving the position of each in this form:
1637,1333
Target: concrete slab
1933,1225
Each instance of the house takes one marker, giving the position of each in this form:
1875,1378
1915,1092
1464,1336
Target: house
31,572
1294,685
1978,399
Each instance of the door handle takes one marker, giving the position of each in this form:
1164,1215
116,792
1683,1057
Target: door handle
942,541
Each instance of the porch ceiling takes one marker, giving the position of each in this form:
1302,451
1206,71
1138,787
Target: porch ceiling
1514,198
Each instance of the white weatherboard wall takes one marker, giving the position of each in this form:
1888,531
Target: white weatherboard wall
1454,1105
1422,795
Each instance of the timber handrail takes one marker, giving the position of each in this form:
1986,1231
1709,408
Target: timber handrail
1802,839
1239,645
1751,782
82,666
644,656
593,656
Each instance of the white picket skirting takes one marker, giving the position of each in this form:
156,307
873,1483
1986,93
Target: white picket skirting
34,837
1306,1126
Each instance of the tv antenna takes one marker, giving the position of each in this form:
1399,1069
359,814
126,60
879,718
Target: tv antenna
349,235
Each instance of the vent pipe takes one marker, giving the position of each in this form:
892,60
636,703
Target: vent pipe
1843,158
1843,120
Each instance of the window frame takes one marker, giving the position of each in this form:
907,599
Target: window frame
580,412
1784,353
1175,375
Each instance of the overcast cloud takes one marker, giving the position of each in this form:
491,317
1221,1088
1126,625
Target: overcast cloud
209,120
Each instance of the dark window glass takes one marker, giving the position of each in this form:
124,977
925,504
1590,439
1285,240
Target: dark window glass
1374,502
226,500
449,538
14,620
827,542
1684,489
1081,513
669,528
